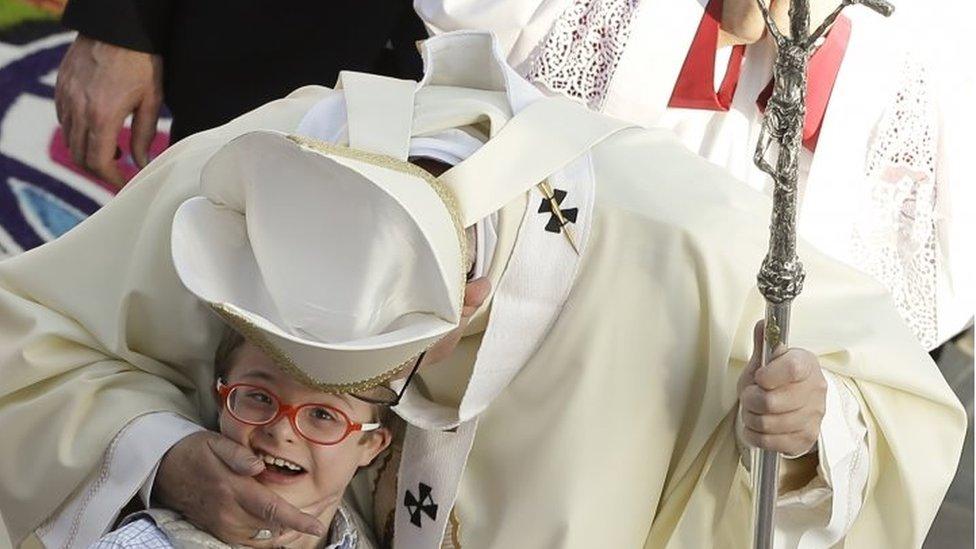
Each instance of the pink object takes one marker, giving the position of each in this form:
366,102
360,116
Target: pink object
59,152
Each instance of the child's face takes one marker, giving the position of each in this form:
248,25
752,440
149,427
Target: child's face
325,470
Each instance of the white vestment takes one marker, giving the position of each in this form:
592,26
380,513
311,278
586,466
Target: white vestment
599,407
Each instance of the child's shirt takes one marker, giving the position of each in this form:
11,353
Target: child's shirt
165,529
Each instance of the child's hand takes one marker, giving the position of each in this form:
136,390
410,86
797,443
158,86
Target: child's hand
781,404
207,478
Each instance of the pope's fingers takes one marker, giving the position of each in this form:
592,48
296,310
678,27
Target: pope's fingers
779,424
792,366
286,538
755,361
282,540
757,342
790,444
276,514
745,378
237,458
757,400
278,538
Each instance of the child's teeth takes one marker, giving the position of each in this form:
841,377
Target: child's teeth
271,460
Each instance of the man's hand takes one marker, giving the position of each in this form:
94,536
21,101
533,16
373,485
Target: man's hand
743,23
782,404
207,478
475,293
98,86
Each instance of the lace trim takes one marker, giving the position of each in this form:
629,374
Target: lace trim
857,474
894,239
580,54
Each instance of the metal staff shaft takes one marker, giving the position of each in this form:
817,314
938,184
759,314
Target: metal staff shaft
765,463
781,276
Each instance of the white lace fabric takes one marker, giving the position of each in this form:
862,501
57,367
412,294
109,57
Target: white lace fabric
895,238
578,57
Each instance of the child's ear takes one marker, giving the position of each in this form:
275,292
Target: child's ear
373,443
215,391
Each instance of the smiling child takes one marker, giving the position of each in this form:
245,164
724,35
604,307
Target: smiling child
312,443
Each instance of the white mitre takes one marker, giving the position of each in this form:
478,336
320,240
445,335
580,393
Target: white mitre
343,266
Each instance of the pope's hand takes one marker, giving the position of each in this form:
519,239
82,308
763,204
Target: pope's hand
781,404
208,479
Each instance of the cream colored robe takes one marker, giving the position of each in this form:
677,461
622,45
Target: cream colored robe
616,433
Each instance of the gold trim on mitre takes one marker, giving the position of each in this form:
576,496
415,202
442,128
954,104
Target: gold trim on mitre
251,332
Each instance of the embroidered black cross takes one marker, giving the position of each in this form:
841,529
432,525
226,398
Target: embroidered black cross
555,225
424,505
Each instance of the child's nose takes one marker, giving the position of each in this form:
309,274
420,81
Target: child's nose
281,429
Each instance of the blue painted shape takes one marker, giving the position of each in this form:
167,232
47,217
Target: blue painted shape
53,213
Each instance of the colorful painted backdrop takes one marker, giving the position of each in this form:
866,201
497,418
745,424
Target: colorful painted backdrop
42,194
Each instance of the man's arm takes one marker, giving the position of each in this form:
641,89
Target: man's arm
131,461
140,25
96,330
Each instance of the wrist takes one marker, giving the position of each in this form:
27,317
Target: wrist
107,53
165,489
812,450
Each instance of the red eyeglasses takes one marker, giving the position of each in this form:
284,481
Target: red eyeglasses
315,422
